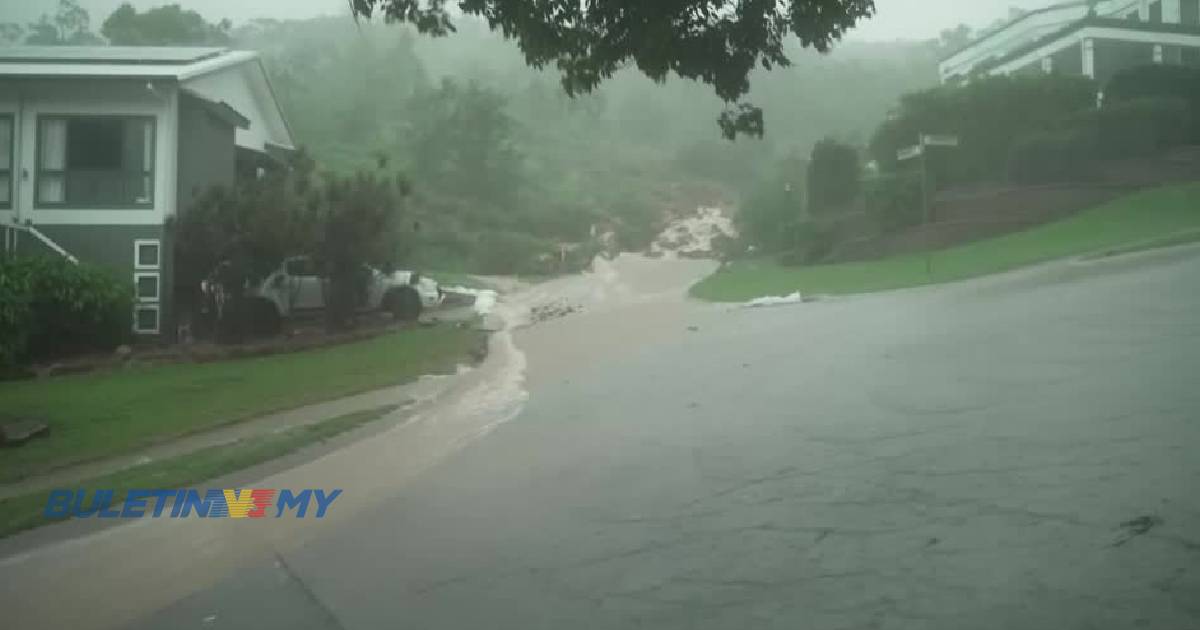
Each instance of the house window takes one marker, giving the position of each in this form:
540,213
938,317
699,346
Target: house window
6,161
146,254
1156,12
95,162
147,287
146,319
147,284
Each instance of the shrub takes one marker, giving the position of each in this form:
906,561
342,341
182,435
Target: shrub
833,176
1051,157
813,242
53,308
1159,81
1138,127
895,201
988,114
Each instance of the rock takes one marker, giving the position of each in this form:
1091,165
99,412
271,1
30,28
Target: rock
18,432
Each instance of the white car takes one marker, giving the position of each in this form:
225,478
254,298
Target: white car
296,287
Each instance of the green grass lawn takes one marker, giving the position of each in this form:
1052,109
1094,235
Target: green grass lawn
1154,217
27,511
110,413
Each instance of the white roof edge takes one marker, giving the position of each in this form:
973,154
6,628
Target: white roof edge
117,70
220,62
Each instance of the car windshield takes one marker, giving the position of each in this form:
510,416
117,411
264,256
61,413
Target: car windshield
704,314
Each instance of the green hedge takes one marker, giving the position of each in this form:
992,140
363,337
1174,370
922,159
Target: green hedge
1140,127
51,308
1124,129
1159,81
1051,157
894,201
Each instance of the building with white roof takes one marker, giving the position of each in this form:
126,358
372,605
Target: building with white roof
1097,39
101,146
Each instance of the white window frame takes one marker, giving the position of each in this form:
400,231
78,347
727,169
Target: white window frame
141,271
137,253
157,319
137,278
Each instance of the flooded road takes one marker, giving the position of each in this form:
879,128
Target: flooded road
1017,451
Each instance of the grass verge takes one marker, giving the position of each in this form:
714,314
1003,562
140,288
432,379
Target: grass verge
100,415
26,511
1151,218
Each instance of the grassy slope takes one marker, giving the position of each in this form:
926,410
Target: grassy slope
1144,217
104,414
27,511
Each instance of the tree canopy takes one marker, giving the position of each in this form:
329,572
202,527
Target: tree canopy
718,42
69,26
167,25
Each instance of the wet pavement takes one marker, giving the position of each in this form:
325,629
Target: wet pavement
1012,452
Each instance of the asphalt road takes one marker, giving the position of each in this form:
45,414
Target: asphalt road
1014,452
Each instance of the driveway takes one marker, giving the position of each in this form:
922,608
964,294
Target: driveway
1012,452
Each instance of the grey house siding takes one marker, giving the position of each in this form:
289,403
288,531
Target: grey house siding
1069,60
1114,56
111,247
206,152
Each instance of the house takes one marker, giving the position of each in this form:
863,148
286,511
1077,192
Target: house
1096,39
100,147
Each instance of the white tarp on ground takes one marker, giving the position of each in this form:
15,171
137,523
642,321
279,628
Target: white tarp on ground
794,298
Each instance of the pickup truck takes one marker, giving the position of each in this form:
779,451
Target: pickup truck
296,287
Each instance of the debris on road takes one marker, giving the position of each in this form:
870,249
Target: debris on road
1136,527
18,432
552,310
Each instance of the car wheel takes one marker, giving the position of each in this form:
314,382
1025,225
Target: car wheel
404,304
264,318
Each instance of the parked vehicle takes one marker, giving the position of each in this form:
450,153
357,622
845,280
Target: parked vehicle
295,287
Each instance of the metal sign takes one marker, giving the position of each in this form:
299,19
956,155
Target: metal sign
909,153
939,141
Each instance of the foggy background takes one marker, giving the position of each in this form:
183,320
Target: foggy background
896,19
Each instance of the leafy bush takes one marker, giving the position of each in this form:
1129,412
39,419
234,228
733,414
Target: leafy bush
1138,127
833,176
1051,157
895,201
771,211
51,308
1159,81
988,114
812,242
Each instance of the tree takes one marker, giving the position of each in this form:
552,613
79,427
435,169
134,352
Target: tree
952,39
11,33
69,26
833,176
717,42
771,212
461,139
167,25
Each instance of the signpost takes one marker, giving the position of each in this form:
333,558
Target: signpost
920,150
